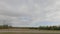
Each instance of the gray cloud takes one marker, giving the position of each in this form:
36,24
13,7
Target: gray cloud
29,12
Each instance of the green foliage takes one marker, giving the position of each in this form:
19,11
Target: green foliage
49,27
5,27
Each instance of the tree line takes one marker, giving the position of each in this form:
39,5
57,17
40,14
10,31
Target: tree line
49,28
46,28
39,28
5,26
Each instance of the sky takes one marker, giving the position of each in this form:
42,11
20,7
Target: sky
30,13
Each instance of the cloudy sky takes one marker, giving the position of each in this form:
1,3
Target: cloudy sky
30,13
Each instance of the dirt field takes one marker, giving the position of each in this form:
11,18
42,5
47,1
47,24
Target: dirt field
27,31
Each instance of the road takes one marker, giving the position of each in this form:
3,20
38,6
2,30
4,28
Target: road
29,31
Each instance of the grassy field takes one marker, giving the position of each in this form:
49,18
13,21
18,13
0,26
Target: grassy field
27,31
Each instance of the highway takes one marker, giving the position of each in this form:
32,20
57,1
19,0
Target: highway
29,31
